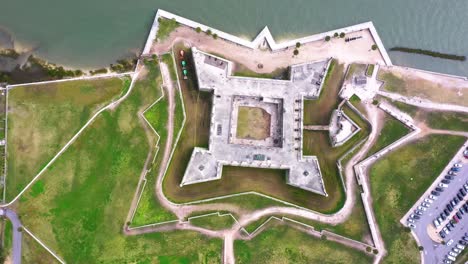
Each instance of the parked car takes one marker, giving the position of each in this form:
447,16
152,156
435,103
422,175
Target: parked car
445,181
453,254
426,204
434,195
451,258
449,242
436,223
462,191
412,225
411,220
457,165
418,212
439,189
460,246
422,208
428,200
449,177
452,173
443,185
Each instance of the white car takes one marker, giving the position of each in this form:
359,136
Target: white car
453,254
451,258
456,250
412,225
410,220
428,200
443,185
458,165
460,246
422,208
450,241
433,197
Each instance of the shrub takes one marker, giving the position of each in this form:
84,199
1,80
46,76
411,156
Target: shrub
154,57
296,52
368,249
215,36
407,229
298,44
198,29
323,237
421,248
327,38
376,102
335,35
342,34
374,47
375,251
20,229
208,31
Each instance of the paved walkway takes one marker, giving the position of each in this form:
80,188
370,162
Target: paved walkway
17,234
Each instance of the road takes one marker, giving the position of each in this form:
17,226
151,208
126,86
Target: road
17,235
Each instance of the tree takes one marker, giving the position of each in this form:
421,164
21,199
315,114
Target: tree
342,34
154,57
296,52
421,248
298,44
374,47
327,38
335,35
375,251
208,31
215,36
323,237
198,29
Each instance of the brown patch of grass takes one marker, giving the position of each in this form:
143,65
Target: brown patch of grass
253,123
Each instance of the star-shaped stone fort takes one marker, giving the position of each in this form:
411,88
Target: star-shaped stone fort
256,122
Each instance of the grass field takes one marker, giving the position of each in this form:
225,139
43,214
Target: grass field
391,132
33,252
318,112
283,244
149,210
253,123
88,191
398,180
415,86
42,118
213,222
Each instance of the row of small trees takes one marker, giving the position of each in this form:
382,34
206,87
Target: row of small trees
208,32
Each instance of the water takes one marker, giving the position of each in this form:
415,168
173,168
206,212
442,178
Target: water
90,33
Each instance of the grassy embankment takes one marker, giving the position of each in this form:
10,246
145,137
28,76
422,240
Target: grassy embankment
33,252
412,85
42,118
214,221
88,190
391,132
430,53
283,244
398,180
436,119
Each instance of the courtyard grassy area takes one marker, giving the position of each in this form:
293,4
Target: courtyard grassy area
409,85
391,132
283,244
88,191
398,180
253,123
318,112
42,118
370,69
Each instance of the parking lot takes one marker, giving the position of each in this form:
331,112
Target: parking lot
446,202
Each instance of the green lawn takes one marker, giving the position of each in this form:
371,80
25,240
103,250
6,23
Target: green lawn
253,123
149,210
42,118
318,112
88,192
391,132
370,69
213,222
283,244
166,26
398,180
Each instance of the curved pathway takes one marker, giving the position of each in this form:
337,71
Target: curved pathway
17,234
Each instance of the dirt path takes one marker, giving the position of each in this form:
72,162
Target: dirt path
347,52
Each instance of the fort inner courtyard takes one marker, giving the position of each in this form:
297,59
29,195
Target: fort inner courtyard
256,122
